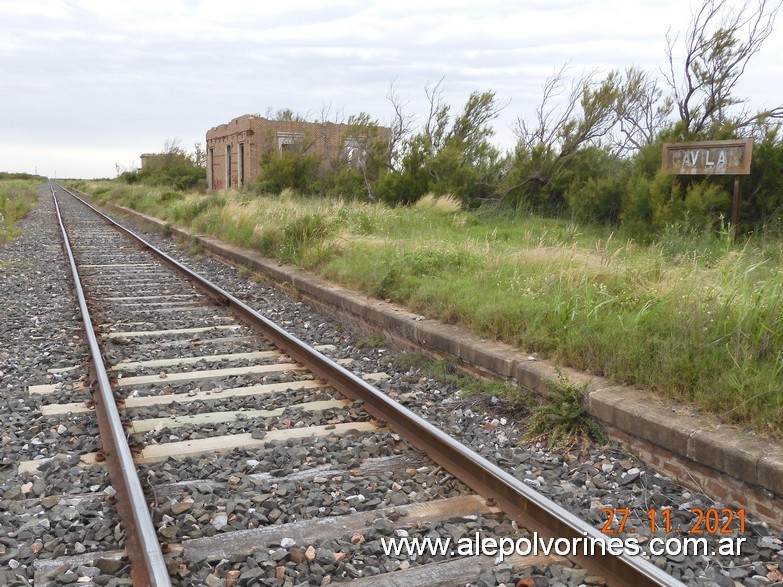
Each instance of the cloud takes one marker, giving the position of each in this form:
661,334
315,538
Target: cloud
129,75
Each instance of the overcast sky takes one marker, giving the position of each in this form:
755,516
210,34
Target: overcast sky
87,85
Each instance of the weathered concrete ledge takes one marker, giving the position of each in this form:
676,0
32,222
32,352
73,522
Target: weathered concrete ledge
697,450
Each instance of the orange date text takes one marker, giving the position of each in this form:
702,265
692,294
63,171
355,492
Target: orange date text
705,521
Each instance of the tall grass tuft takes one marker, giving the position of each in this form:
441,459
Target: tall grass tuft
445,204
17,198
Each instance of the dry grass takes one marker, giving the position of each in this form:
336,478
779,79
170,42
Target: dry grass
446,204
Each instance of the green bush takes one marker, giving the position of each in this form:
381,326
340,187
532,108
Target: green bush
346,182
599,199
259,187
650,206
646,204
175,169
763,190
706,204
290,169
401,188
130,177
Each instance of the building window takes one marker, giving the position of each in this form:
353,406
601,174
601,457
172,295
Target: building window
355,153
241,165
289,142
228,166
211,168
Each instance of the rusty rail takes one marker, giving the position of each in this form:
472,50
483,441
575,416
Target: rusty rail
147,564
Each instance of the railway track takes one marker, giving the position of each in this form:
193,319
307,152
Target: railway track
204,406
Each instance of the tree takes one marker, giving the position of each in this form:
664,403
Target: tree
401,126
450,154
173,147
716,50
288,115
173,167
293,169
199,155
642,111
561,128
362,160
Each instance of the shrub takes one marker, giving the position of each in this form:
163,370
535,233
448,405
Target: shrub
763,190
599,199
345,182
401,188
563,421
646,204
174,169
298,171
706,203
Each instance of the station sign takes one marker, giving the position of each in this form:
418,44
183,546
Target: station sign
708,157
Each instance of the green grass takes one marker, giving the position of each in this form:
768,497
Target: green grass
17,198
692,316
372,341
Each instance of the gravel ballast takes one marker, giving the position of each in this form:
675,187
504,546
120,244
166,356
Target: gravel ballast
41,330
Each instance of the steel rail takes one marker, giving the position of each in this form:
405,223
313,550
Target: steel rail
147,564
595,551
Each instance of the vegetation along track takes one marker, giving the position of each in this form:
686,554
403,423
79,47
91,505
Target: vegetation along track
192,371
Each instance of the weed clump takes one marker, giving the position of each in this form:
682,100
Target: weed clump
563,421
372,341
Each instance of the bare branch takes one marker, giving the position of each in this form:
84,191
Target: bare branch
641,111
564,126
717,47
438,116
401,125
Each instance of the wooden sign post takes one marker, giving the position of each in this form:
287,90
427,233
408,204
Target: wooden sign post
712,158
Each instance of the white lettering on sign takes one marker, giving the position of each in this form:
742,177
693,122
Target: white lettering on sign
691,158
731,157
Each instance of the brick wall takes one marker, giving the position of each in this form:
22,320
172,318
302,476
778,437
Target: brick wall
257,136
763,504
230,136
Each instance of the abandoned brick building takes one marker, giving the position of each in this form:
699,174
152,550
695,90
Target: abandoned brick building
149,159
235,150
